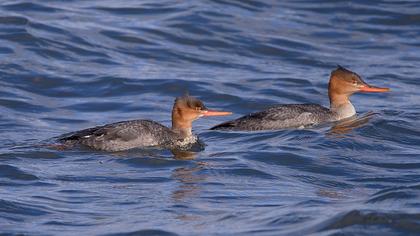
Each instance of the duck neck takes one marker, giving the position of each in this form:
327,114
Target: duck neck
181,126
340,104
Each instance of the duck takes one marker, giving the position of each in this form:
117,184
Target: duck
143,133
342,85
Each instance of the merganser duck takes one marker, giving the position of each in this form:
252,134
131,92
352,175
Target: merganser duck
343,83
130,134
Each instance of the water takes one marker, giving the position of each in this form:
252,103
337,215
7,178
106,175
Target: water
68,65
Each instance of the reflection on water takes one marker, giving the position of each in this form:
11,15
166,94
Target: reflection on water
139,152
183,155
189,180
189,186
347,125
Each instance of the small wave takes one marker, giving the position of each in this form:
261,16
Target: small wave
15,173
143,232
27,7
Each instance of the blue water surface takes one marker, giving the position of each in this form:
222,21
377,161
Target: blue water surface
69,65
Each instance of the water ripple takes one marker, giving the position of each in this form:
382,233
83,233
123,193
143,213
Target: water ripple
69,65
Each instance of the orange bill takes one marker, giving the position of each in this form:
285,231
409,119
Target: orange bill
216,113
372,89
